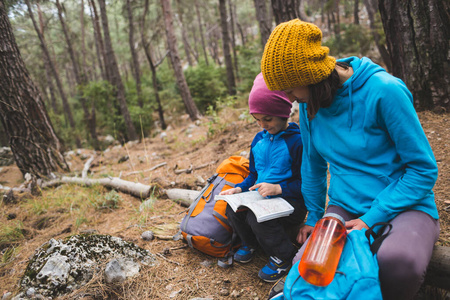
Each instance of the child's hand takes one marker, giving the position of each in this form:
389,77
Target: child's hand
231,191
267,189
303,233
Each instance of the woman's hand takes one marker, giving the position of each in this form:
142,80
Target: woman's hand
231,191
267,189
355,224
303,233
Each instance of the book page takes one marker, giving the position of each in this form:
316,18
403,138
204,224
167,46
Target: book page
240,199
268,209
263,208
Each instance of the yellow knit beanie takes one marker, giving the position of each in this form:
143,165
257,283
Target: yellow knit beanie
293,56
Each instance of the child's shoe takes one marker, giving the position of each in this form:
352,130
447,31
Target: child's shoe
244,254
274,269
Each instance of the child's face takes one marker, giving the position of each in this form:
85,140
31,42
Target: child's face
270,123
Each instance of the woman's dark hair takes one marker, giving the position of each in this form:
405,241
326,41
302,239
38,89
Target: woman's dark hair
322,93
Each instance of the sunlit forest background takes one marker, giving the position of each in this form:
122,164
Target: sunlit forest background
65,48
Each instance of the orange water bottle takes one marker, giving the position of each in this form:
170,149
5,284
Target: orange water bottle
323,250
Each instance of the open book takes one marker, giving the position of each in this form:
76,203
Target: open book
264,208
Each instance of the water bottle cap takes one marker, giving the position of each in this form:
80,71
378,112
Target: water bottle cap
333,215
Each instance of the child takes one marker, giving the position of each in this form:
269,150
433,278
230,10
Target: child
275,162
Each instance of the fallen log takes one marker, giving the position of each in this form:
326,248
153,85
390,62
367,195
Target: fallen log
438,273
133,188
182,196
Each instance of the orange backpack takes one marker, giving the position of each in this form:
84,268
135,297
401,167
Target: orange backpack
205,226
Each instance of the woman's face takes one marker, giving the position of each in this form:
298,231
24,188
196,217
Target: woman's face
299,94
270,123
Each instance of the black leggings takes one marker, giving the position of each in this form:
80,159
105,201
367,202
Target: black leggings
271,235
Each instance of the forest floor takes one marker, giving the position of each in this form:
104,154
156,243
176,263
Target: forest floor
182,273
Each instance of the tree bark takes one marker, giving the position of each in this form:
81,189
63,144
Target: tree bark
136,69
36,148
231,83
191,108
418,38
66,106
285,10
146,46
264,25
116,80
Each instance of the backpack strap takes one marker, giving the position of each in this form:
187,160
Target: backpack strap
378,236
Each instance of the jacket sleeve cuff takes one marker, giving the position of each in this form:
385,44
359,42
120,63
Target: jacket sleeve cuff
375,215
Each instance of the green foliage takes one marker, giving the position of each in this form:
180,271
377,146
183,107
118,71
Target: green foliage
206,84
355,40
249,61
110,200
217,122
10,232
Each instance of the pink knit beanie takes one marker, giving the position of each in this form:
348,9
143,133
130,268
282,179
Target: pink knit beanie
264,101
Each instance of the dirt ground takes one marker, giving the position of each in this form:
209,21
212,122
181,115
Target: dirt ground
182,273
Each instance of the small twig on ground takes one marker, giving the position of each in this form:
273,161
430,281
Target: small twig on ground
148,170
87,166
171,261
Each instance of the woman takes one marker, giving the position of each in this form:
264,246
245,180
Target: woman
358,122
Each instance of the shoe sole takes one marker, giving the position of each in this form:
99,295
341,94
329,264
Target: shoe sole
244,261
270,280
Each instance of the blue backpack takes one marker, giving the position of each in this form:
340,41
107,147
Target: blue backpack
356,276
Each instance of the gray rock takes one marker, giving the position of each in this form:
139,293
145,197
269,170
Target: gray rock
148,235
55,271
118,270
61,266
114,272
7,296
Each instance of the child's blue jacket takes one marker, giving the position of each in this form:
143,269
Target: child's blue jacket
277,159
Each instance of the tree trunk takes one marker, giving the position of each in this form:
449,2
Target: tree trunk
264,25
136,69
226,48
146,45
83,43
80,79
48,76
66,106
99,47
356,12
232,9
33,141
285,10
241,32
116,80
202,36
191,108
418,38
184,38
372,7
